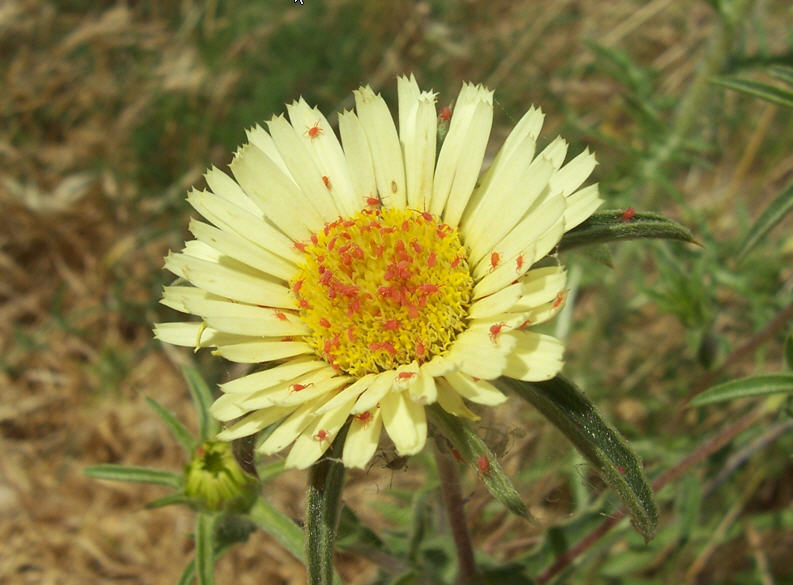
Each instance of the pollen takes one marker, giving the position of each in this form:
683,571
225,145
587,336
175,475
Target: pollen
398,290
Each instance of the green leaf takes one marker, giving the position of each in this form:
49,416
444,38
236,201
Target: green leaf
279,526
771,93
178,430
171,500
610,225
600,443
188,575
202,398
205,548
772,215
323,503
134,474
751,386
473,449
789,351
784,74
600,253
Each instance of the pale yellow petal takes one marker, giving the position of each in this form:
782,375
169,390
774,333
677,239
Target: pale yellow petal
381,134
405,422
536,357
253,423
475,390
451,401
376,390
362,438
317,437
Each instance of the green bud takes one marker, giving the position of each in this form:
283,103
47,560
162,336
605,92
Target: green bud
214,477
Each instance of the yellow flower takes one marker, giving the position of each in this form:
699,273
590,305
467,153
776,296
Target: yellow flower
372,278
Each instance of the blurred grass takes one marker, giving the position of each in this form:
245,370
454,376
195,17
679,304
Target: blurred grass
110,112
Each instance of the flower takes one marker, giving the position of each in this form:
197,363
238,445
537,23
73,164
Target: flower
372,279
213,476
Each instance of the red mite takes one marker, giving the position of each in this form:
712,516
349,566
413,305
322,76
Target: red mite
326,180
314,131
406,375
365,417
322,435
280,315
495,258
372,201
495,330
483,464
445,115
628,214
299,387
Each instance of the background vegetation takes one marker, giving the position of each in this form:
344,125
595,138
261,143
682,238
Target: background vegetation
110,111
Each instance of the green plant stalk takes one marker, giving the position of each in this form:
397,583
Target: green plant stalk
323,506
453,500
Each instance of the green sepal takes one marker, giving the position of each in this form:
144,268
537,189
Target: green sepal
134,474
788,351
567,408
178,430
619,224
476,454
746,387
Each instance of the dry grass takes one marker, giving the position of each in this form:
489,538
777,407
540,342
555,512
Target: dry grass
91,202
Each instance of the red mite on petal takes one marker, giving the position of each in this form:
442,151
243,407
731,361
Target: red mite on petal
495,258
314,131
495,330
280,315
406,375
322,435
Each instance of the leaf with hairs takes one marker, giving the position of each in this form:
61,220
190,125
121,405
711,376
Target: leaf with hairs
745,387
567,408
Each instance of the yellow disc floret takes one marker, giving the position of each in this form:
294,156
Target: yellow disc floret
382,289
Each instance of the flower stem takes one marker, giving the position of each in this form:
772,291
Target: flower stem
453,499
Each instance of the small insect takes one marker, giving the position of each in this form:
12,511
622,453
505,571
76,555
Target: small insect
324,322
299,387
446,114
495,258
457,456
495,331
364,417
322,435
393,186
628,214
372,201
426,215
483,463
300,246
314,131
519,263
559,299
431,259
326,180
280,315
406,375
420,349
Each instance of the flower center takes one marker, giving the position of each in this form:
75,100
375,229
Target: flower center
382,289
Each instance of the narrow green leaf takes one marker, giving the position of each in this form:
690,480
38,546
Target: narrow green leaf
269,470
771,93
205,548
781,73
789,351
134,474
600,443
751,386
323,503
475,452
178,430
610,225
279,526
171,500
202,398
772,215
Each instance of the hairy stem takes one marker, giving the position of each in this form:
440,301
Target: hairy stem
453,499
